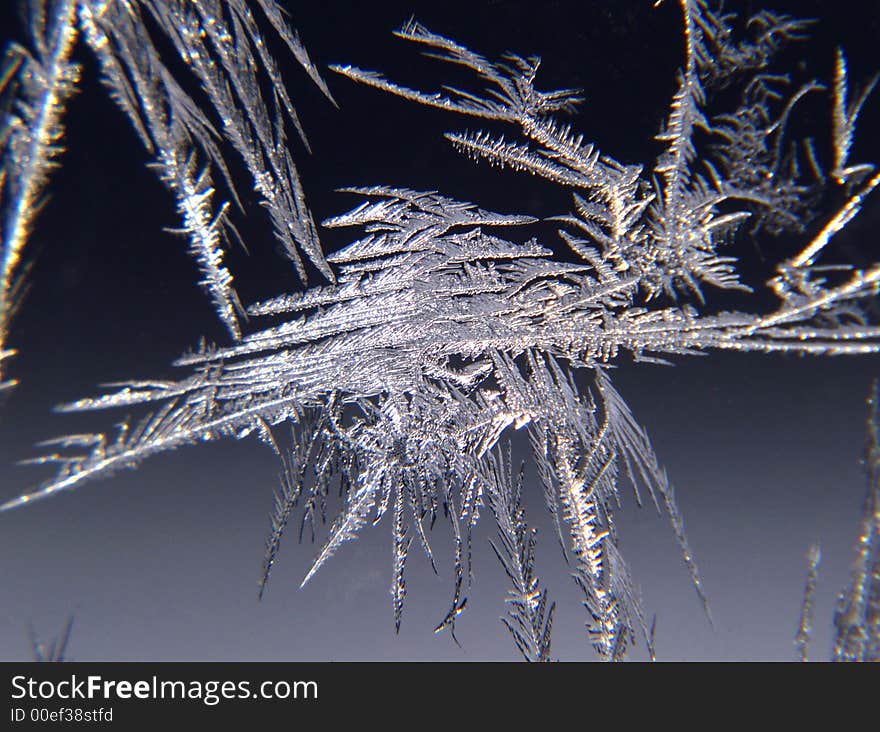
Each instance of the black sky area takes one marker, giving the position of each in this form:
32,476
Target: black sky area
162,563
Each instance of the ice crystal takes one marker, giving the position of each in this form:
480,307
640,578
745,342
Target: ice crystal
857,620
856,636
529,620
805,625
442,328
220,42
35,84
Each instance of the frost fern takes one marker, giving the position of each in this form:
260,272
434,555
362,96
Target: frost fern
443,328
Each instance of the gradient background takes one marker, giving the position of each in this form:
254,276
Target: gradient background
162,563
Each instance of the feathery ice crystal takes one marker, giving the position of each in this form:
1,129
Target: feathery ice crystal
436,334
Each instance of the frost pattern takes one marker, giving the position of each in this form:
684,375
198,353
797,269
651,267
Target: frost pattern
805,625
529,619
220,42
35,83
857,620
441,330
856,636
